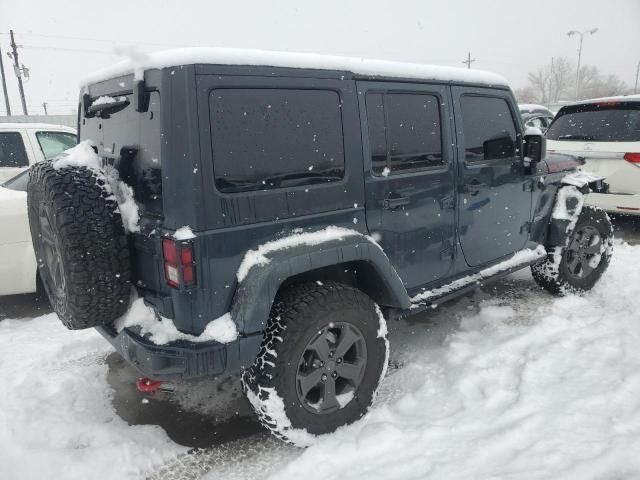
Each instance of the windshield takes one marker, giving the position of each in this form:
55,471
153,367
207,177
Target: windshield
19,182
610,122
53,144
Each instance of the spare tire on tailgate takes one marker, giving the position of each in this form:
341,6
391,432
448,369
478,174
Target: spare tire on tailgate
80,244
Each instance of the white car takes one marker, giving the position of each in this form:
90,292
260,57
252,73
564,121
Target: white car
606,132
18,268
23,144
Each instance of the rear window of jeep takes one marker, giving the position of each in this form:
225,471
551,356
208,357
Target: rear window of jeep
275,138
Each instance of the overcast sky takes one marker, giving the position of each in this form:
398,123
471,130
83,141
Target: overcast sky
64,40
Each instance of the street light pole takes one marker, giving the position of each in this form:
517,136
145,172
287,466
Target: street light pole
582,34
635,89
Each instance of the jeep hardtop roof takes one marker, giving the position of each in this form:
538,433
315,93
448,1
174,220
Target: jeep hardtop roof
359,67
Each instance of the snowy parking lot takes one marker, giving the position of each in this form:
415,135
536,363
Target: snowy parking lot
508,382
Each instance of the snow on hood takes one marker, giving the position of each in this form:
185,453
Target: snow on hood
162,331
234,56
184,233
84,155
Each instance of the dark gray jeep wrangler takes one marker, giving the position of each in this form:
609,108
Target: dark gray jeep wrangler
263,213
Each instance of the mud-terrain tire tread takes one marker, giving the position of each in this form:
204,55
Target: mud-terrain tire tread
285,329
91,241
552,277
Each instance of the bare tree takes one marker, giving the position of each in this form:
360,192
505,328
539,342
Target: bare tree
552,81
555,81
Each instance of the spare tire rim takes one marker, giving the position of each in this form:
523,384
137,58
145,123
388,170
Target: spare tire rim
52,258
331,368
584,253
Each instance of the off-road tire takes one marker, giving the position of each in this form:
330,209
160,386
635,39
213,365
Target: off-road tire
89,239
298,314
553,273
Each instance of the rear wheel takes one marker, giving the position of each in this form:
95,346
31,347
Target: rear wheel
321,361
577,266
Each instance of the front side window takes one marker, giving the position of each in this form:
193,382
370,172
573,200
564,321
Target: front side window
404,132
489,130
275,138
12,152
53,144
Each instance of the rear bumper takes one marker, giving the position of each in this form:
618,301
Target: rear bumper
615,203
183,360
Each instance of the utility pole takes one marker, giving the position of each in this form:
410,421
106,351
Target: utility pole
582,34
4,86
44,105
469,60
635,89
18,71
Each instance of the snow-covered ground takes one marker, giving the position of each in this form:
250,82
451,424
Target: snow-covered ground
507,383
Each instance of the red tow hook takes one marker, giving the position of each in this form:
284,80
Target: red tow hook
146,385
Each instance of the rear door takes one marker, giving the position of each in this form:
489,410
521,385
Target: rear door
494,192
409,175
13,154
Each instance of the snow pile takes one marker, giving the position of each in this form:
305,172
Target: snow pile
235,56
531,387
258,257
184,233
106,99
84,155
521,257
569,203
56,416
580,179
162,331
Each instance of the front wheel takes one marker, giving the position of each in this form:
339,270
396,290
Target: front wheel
323,356
576,267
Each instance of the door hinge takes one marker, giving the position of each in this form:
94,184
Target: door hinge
525,228
529,186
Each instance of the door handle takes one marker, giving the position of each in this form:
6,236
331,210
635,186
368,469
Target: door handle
395,202
474,188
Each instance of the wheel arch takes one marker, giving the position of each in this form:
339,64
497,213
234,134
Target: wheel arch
353,260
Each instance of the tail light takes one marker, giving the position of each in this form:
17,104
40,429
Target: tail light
179,266
633,158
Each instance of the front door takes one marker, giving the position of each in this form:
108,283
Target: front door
494,191
409,175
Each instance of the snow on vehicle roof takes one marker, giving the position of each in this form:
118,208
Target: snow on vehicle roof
618,98
531,107
40,126
233,56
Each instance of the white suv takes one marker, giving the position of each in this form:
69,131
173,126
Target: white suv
606,132
23,144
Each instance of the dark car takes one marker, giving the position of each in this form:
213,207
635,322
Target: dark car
537,116
284,205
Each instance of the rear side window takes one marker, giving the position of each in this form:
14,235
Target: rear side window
404,132
12,152
53,144
272,138
610,122
489,130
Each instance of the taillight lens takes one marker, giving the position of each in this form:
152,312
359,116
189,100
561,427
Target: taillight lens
179,268
633,158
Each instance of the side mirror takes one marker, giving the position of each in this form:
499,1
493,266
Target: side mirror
535,146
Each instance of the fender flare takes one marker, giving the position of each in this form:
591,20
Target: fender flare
257,289
567,207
